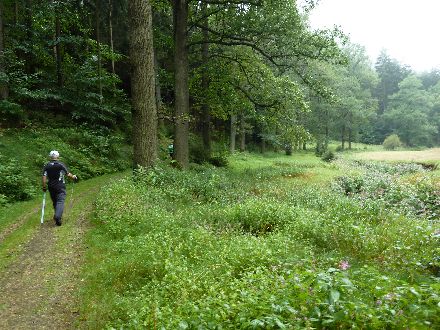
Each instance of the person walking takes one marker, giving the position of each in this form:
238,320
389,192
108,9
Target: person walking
54,173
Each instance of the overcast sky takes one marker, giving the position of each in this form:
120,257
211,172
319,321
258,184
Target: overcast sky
408,30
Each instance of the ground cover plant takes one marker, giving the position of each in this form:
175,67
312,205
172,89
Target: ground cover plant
271,242
88,153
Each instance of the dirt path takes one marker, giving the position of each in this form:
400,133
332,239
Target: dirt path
37,291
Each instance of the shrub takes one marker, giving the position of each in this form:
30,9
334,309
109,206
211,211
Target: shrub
328,156
392,142
14,185
219,160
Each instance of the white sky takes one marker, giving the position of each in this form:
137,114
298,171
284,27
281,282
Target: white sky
408,30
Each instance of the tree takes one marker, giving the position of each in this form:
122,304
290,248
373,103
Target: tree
392,142
181,84
4,92
407,114
273,30
142,83
390,73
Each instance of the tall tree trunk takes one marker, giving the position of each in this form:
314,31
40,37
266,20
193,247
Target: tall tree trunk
242,134
142,83
110,31
29,56
327,133
206,116
350,132
98,44
233,133
4,91
343,137
158,90
58,55
181,86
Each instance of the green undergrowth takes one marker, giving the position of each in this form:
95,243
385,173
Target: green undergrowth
267,243
88,153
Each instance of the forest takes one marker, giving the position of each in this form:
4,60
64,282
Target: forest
227,75
237,169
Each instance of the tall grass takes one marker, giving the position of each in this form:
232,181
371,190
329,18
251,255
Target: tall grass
267,243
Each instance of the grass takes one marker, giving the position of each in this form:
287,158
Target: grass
267,243
87,153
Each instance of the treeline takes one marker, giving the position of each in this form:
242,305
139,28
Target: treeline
238,74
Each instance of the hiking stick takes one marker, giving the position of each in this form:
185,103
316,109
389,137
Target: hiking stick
71,196
42,208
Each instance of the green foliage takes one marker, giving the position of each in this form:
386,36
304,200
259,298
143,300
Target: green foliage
257,246
404,188
14,185
87,153
392,142
328,156
11,112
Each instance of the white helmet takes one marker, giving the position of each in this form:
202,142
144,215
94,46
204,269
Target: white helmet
54,154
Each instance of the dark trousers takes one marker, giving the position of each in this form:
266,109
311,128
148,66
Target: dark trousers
58,197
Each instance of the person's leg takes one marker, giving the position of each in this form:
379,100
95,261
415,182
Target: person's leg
53,197
59,207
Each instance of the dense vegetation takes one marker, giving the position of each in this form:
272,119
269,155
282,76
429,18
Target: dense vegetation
223,239
270,243
23,153
243,74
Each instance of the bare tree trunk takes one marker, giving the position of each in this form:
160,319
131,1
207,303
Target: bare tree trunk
181,102
110,28
4,91
98,44
206,116
233,133
158,90
343,137
58,55
142,83
242,134
29,56
15,12
350,132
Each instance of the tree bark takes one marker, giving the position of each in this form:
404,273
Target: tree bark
233,133
142,83
350,132
343,137
181,86
58,54
110,30
29,56
242,134
98,44
4,91
206,116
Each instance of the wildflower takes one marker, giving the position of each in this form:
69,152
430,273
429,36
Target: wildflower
389,296
378,302
344,265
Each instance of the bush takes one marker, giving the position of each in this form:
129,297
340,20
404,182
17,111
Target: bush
392,142
14,185
328,156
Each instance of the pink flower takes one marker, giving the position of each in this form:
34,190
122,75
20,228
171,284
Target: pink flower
344,265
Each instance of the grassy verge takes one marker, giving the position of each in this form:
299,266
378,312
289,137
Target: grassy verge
271,242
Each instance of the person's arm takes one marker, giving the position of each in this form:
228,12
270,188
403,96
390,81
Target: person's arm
72,176
44,180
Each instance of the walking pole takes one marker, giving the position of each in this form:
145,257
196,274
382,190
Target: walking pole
71,196
42,208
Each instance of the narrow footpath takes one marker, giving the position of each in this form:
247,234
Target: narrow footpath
38,288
